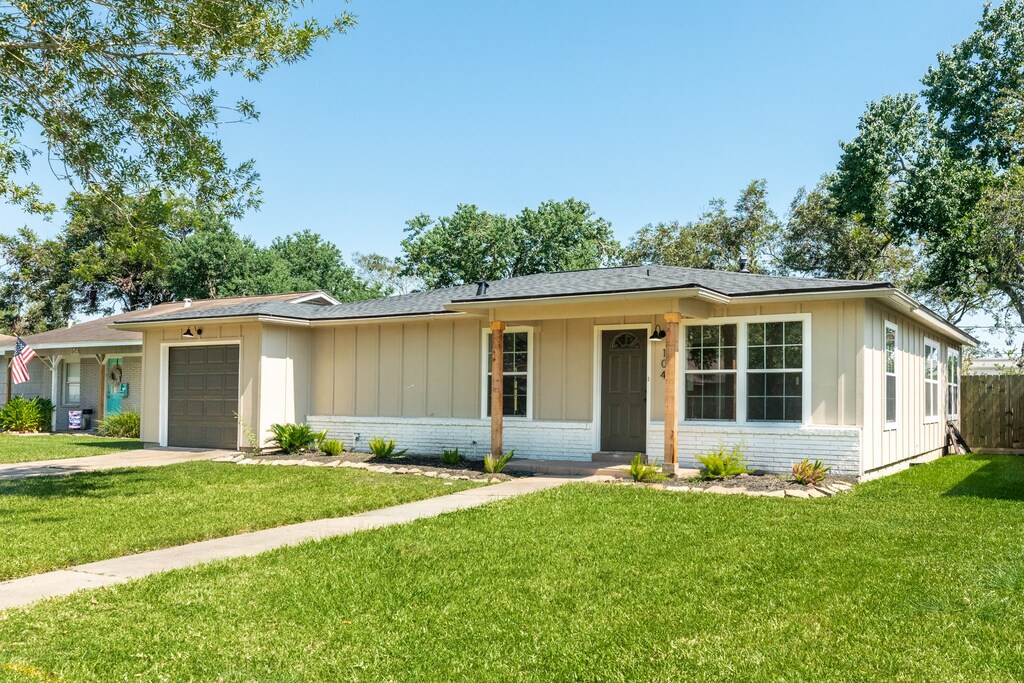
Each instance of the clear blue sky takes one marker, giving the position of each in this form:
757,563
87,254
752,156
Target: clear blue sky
646,110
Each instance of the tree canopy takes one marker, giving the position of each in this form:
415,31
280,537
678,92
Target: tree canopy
471,244
119,92
717,239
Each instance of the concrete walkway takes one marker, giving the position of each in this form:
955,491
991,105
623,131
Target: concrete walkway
21,592
143,457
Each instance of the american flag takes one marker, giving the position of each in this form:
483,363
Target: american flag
23,353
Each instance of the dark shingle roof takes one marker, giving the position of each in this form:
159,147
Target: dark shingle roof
545,285
98,330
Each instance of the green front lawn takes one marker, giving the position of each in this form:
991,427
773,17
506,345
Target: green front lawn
14,448
916,577
51,522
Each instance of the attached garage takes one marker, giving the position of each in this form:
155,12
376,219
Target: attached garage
202,396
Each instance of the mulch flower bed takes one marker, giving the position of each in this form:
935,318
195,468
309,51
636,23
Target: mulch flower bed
469,470
754,484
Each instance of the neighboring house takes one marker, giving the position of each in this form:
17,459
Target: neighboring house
992,365
93,367
855,373
5,341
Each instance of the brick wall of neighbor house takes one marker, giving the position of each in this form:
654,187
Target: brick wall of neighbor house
773,449
38,383
90,392
429,436
131,372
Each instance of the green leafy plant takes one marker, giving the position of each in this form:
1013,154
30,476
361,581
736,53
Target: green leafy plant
642,471
22,414
723,462
810,473
494,464
126,424
332,447
249,435
451,456
293,438
384,448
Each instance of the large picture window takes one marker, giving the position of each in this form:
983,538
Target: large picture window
710,374
515,374
72,383
890,373
931,381
952,384
775,362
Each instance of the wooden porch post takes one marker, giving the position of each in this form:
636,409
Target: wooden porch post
671,391
497,385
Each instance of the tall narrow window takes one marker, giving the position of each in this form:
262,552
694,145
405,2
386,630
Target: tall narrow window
890,374
931,381
710,373
775,378
952,384
515,374
72,383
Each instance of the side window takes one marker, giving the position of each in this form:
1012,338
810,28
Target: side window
890,373
952,384
931,380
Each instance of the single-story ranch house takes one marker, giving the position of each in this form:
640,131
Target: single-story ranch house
855,373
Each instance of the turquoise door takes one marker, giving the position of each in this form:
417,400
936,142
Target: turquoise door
113,382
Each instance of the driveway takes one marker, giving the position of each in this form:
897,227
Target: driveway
143,457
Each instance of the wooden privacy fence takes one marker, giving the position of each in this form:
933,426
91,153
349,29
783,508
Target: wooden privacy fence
992,411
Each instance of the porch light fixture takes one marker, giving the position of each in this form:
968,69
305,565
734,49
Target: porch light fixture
188,334
658,334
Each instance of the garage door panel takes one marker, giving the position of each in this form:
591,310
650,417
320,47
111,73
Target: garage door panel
203,396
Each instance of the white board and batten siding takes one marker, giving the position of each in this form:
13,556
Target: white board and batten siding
912,434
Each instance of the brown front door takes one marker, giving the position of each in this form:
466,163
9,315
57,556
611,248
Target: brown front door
624,390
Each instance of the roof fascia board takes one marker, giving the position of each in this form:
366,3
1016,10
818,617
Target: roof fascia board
148,324
76,345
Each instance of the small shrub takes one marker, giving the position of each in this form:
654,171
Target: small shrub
332,447
22,414
810,473
294,438
125,424
451,456
723,462
249,435
384,448
495,464
641,471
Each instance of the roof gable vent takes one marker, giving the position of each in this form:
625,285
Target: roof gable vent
481,287
744,264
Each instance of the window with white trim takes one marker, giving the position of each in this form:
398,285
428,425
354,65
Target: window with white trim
952,383
515,374
72,383
775,371
931,381
890,373
710,373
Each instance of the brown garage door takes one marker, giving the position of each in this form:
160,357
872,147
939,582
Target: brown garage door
202,396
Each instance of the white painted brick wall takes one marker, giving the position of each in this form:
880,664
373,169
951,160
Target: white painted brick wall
773,449
539,439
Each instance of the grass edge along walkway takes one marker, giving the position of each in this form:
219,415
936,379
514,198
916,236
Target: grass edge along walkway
26,590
